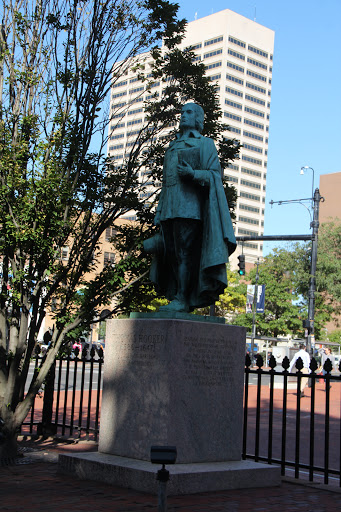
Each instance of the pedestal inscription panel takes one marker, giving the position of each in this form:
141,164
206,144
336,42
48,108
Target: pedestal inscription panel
173,382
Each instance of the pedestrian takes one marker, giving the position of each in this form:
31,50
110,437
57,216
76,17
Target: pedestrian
303,354
327,355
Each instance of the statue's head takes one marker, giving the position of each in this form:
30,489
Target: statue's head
192,111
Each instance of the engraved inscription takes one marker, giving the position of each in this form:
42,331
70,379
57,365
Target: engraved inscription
141,348
205,361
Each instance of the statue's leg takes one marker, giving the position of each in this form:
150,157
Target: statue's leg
187,236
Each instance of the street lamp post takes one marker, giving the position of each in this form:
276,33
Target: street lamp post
306,167
310,323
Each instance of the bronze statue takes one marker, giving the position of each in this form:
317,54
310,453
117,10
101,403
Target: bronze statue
196,235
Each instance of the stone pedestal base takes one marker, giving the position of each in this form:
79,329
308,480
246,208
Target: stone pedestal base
173,382
184,478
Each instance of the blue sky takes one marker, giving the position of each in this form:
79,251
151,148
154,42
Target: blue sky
305,126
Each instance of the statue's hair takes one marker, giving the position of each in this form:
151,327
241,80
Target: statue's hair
199,116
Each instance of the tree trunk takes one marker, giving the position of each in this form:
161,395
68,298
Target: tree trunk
8,444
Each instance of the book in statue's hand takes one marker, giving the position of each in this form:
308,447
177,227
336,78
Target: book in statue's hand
191,156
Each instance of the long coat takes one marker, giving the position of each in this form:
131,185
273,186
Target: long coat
218,240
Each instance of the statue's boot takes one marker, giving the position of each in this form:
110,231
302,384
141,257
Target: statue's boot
176,305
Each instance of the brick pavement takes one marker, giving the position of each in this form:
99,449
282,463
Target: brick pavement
35,485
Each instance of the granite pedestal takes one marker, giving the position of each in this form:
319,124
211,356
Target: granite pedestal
172,382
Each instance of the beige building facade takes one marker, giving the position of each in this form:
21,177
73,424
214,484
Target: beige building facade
330,189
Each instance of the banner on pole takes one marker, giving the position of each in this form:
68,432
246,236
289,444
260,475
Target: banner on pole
250,293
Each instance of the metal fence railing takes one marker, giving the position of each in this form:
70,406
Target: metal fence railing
300,433
69,405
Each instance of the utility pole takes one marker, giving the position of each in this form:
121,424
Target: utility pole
312,282
254,310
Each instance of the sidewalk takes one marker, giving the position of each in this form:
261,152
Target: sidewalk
34,485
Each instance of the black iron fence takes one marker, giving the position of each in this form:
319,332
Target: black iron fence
69,403
298,430
301,434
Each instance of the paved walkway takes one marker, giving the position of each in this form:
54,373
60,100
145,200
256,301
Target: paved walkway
34,485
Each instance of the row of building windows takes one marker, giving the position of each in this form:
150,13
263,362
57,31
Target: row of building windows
256,75
240,94
213,65
215,77
249,85
119,105
235,130
117,126
235,79
252,197
119,84
234,66
248,220
250,184
236,54
135,121
248,208
136,89
254,124
117,136
252,135
249,122
233,167
255,161
136,111
234,104
254,111
256,88
242,231
257,63
258,51
255,100
117,95
239,106
250,147
213,41
237,42
211,54
232,179
234,91
251,172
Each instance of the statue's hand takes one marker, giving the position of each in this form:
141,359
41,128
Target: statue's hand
185,170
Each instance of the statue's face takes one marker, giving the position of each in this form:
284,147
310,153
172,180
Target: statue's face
187,116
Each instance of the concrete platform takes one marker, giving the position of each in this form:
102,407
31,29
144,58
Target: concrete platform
184,478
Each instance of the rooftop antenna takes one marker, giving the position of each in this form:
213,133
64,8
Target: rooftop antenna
254,19
195,15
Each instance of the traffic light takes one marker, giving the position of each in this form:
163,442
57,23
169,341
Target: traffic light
241,265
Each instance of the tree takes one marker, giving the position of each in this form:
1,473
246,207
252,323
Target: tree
328,271
57,62
283,313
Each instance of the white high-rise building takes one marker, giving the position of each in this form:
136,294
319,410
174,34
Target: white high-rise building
238,55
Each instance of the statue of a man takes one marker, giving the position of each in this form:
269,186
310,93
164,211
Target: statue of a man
196,234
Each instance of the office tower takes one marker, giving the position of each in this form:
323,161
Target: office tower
238,56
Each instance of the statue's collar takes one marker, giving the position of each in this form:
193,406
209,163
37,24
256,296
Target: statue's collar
193,133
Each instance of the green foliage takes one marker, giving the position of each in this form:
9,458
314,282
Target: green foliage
282,315
286,274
